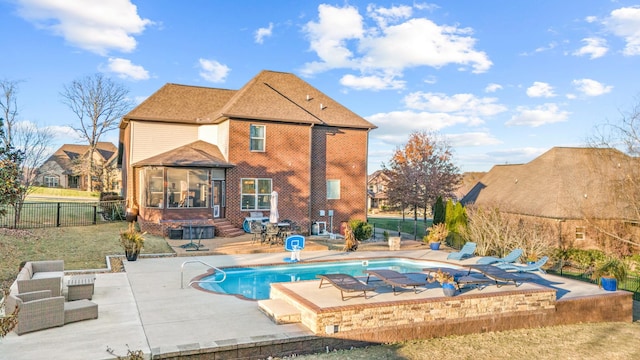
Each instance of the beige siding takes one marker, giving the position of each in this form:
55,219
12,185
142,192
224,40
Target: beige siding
208,133
223,139
153,138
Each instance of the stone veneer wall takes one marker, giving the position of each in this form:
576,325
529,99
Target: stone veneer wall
397,314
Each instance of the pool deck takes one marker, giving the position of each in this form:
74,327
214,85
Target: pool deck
146,308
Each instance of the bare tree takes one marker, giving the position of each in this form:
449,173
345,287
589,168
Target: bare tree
32,141
623,172
99,103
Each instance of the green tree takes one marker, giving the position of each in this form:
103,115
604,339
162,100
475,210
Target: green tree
456,220
11,188
439,215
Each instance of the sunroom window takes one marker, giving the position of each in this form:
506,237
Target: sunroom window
187,188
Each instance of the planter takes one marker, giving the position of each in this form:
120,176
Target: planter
394,243
434,245
131,255
448,289
609,283
131,214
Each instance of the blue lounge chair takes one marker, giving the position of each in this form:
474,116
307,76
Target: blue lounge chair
536,266
510,258
466,252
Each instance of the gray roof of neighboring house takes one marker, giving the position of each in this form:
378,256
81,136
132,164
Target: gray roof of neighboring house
563,183
196,154
68,153
270,96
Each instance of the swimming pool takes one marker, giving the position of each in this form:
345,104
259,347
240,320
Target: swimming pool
254,282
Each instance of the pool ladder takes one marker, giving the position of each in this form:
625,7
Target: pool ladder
224,275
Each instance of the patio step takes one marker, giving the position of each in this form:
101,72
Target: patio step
280,311
225,228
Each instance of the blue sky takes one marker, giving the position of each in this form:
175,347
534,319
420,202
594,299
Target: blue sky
502,81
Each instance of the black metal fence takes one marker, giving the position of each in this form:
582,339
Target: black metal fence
631,283
61,214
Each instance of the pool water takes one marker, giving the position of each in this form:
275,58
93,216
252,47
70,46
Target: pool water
254,282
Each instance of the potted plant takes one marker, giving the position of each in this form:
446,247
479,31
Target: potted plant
132,241
436,234
609,272
446,280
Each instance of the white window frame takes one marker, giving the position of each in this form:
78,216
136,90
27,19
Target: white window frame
263,139
51,181
333,189
256,195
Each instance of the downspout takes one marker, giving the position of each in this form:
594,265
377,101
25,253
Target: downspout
309,211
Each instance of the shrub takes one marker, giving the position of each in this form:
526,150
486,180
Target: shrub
361,230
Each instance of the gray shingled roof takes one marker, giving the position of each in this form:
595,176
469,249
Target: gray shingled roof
563,183
270,96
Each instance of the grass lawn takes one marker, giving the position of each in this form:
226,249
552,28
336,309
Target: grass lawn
408,226
83,247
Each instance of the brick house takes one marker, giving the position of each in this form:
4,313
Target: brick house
377,191
64,168
194,153
574,189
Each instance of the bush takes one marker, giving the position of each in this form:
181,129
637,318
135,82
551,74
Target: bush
361,230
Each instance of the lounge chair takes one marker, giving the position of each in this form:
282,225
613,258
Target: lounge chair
345,283
499,275
466,252
513,256
536,266
395,279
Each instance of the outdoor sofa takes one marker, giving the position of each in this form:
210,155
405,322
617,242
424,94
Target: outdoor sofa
38,310
41,275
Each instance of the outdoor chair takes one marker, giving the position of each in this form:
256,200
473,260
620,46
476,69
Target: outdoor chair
395,279
346,283
512,257
272,231
466,252
536,266
499,275
257,230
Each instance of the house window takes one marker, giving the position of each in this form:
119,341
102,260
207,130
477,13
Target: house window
333,189
580,233
257,138
256,194
51,181
187,188
152,181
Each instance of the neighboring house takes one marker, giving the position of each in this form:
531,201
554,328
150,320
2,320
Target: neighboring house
377,191
64,168
569,187
468,181
193,153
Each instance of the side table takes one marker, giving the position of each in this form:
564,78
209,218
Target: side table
80,287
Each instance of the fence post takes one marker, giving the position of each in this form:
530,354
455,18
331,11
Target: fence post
95,214
58,215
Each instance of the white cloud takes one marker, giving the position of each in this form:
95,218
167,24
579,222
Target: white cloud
472,139
538,116
595,48
126,70
404,122
372,82
262,33
97,26
462,104
389,44
213,71
591,87
383,16
491,88
625,23
540,89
